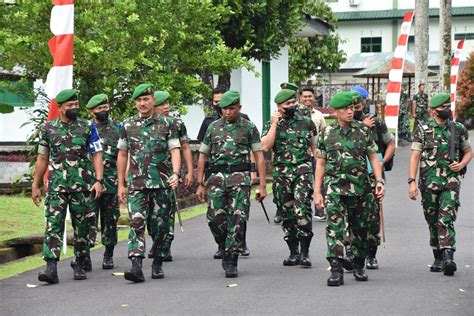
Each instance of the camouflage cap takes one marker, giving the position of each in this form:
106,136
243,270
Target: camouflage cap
342,100
66,95
229,98
356,97
439,100
143,89
284,95
289,86
97,100
161,97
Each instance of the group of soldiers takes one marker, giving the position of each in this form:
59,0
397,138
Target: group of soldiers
341,165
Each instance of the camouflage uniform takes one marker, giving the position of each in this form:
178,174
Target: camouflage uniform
148,141
228,144
107,207
403,117
70,176
421,109
292,174
439,186
348,202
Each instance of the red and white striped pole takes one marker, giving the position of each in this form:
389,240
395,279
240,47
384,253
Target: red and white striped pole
454,76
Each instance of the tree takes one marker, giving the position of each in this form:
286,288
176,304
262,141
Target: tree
120,44
445,23
465,89
308,55
421,40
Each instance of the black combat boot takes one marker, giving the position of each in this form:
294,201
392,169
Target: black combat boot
50,275
79,273
168,257
372,263
245,249
157,268
337,275
108,260
231,271
87,265
437,265
294,258
359,271
278,219
220,250
305,261
449,266
347,261
135,274
226,260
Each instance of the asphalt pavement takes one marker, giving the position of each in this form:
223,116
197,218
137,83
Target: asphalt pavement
194,282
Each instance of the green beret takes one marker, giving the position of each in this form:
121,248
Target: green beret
284,95
439,100
342,100
161,97
229,98
143,89
66,95
289,86
97,100
356,97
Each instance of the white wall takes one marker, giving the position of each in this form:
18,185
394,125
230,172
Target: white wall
10,123
353,31
375,5
279,73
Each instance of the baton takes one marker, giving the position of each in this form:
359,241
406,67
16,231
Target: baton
257,193
382,224
177,211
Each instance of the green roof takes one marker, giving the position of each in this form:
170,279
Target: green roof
395,14
12,99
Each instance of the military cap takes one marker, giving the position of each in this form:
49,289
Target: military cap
439,99
362,91
66,95
356,97
161,97
284,95
143,89
342,100
289,86
97,100
229,98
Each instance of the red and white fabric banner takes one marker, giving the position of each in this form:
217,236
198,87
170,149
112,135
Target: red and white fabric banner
395,75
61,48
454,76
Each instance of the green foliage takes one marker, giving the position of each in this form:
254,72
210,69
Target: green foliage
465,102
309,55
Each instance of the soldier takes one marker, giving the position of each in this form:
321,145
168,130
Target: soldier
403,115
68,143
349,201
148,139
441,148
365,94
106,208
292,136
419,108
227,144
162,107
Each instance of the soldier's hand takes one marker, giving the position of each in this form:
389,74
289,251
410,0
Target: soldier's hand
369,121
98,188
121,194
319,201
261,193
200,193
380,191
173,181
276,116
456,166
188,179
36,195
253,178
412,191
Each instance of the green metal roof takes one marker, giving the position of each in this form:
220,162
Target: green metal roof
12,99
396,14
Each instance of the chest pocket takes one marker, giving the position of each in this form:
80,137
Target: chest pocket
80,140
159,139
430,146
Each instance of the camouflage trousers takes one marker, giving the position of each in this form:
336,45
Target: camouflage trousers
403,125
348,221
293,195
228,211
56,206
440,209
373,239
170,236
107,209
149,208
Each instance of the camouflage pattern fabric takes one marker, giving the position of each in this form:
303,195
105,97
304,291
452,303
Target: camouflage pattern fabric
303,110
56,204
421,109
109,134
108,210
403,117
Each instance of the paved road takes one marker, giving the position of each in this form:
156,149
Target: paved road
195,283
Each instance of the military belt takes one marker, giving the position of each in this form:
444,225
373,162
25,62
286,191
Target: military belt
232,168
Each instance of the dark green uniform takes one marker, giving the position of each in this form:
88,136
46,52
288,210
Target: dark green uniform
421,109
403,117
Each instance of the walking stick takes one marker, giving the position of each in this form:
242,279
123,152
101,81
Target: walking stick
257,193
382,223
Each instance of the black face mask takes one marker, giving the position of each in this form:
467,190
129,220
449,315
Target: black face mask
102,116
358,115
290,112
444,113
218,109
71,114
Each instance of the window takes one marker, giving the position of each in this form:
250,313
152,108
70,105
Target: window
370,44
465,36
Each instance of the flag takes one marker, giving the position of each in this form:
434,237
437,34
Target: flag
454,76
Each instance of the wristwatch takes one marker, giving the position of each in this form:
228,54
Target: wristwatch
101,181
382,181
177,174
410,180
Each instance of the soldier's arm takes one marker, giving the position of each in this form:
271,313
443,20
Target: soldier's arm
40,168
99,174
413,170
318,182
122,161
413,108
200,177
260,161
389,141
188,160
269,139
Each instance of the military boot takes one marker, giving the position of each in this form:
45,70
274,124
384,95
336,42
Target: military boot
50,275
87,265
347,261
79,273
231,271
305,261
157,268
337,275
245,249
372,263
135,274
108,260
294,258
220,250
449,266
168,257
359,271
437,265
278,219
226,260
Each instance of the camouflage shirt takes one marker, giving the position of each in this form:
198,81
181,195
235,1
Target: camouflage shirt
345,152
109,134
421,109
230,144
403,103
148,141
294,138
69,146
433,141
